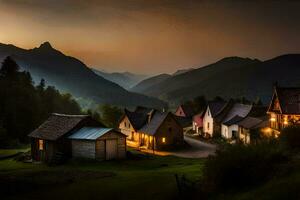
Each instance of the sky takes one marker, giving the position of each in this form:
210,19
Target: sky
153,36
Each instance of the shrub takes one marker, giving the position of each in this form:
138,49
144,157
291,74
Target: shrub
290,137
239,166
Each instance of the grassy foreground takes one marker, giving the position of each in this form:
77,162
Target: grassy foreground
146,177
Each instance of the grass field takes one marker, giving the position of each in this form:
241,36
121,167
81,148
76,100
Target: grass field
146,177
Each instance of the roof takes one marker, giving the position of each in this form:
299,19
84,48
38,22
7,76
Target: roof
137,119
233,120
289,100
89,133
216,107
251,122
188,110
183,121
57,125
143,110
238,110
155,122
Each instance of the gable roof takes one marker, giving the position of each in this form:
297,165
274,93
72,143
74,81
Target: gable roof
155,122
252,122
233,120
187,109
238,110
215,107
90,133
289,100
183,121
57,125
137,119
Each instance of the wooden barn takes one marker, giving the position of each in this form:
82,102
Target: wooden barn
98,143
50,141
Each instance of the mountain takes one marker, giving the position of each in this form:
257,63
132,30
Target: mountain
69,74
231,77
125,79
181,71
144,85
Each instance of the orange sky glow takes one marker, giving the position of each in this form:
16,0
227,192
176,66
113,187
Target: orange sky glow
151,37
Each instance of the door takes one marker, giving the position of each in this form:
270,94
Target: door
111,149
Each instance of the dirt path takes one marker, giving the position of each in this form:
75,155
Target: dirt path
197,149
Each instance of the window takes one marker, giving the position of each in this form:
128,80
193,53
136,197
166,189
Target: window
208,126
163,140
41,145
207,112
129,125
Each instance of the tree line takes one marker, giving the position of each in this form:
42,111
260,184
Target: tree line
24,106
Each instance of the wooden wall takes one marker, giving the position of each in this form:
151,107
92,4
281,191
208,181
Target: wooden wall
170,130
83,148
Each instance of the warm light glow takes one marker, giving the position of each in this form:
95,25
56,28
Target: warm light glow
164,140
273,119
41,145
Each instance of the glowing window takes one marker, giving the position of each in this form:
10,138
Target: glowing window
163,139
41,145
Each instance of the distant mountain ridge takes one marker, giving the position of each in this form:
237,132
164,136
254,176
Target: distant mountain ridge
125,79
230,77
69,74
148,83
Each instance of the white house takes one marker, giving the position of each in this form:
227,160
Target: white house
237,112
211,124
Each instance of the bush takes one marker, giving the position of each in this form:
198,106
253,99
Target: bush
290,137
239,166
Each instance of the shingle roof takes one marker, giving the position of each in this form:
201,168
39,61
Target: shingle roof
216,107
57,125
241,110
251,122
289,99
233,120
137,119
183,121
90,133
155,122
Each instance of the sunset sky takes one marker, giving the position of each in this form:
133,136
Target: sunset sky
153,36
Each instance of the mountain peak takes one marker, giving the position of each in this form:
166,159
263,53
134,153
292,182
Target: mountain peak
46,45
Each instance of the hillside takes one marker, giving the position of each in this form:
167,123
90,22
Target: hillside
69,74
125,79
144,85
231,77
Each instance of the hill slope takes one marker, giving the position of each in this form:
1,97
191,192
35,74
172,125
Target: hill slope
144,85
231,77
71,75
125,80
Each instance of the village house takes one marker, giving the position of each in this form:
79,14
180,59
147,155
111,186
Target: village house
151,129
185,110
229,125
251,128
65,136
214,114
284,108
198,123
